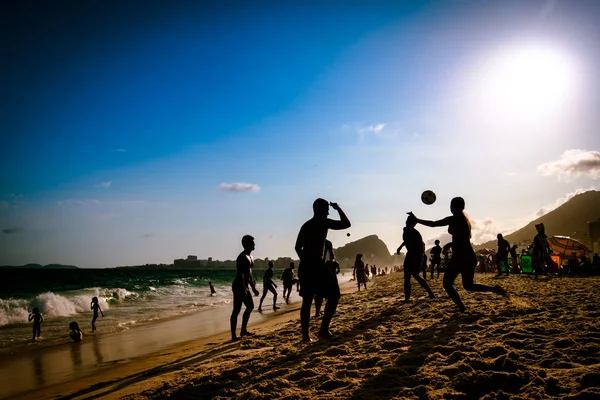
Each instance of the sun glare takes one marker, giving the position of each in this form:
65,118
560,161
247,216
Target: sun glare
526,83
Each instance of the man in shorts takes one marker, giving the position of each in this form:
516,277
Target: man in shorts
314,279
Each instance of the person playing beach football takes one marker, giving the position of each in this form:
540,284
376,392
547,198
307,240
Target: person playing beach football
241,288
436,258
415,252
463,259
269,286
314,278
95,307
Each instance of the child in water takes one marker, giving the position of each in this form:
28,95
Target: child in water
95,307
75,333
37,319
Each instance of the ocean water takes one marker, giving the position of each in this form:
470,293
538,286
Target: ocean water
128,297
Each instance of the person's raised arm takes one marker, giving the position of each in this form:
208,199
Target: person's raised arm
442,222
399,248
30,317
343,223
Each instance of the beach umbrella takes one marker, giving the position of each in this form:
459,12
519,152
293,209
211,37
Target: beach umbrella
567,247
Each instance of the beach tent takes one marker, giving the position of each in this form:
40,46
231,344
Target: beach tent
486,252
566,247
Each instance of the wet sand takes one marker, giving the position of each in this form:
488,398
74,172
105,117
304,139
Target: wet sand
542,342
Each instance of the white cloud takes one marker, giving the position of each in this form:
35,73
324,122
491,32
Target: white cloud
104,185
559,202
238,187
484,230
572,164
76,202
365,130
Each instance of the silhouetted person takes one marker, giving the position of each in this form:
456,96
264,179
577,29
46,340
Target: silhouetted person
502,255
359,272
241,288
212,288
75,333
515,258
424,265
436,258
415,252
37,318
334,267
95,307
373,270
541,250
463,259
269,286
288,281
310,246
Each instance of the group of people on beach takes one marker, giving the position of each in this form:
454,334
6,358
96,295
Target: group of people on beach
75,332
318,280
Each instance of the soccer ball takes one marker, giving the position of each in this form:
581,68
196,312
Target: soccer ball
428,197
348,234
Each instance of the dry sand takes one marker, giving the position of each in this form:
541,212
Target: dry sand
542,342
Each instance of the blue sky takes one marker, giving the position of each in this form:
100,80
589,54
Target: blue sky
138,133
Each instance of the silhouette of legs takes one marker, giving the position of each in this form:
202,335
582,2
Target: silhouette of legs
305,317
330,308
318,304
467,270
238,300
414,272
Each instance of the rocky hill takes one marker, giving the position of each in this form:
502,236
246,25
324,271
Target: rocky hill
570,219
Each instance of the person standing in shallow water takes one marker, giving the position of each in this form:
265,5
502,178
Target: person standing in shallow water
95,307
415,252
241,288
310,246
463,259
269,286
37,318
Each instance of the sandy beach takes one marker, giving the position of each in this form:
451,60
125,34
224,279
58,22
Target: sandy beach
542,342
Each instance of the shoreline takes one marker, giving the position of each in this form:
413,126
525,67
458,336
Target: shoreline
119,368
544,341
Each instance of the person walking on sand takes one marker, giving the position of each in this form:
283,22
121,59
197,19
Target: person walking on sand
359,272
541,250
502,255
37,318
314,277
463,259
332,266
95,307
436,258
415,252
288,281
269,286
241,288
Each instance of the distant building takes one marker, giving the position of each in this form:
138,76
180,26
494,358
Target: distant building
192,258
189,262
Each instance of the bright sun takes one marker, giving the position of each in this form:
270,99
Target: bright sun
526,83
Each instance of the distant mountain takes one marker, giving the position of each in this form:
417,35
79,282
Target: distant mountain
35,266
570,219
374,251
